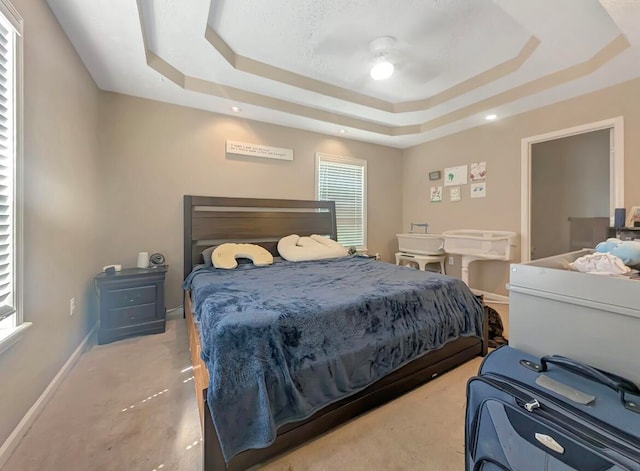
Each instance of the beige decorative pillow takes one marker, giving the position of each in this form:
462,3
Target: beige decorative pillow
224,256
297,249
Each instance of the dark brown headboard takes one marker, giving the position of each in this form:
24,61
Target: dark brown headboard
210,220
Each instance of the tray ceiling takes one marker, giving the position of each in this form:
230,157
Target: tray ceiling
305,63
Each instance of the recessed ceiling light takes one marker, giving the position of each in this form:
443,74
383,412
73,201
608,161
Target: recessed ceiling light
490,117
343,131
235,109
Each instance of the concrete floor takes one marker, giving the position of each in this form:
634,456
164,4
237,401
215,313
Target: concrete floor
130,405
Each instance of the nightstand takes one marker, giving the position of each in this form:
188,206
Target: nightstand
131,302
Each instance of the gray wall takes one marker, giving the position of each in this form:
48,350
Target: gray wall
569,178
60,211
499,144
154,153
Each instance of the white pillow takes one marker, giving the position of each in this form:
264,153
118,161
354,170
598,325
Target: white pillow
332,244
297,249
224,256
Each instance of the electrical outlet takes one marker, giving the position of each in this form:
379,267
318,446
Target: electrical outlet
450,260
72,306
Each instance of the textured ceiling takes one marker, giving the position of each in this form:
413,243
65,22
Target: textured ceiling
436,45
305,63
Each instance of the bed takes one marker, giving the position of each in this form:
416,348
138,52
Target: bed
212,220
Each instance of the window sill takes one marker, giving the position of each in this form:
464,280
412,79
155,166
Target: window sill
9,337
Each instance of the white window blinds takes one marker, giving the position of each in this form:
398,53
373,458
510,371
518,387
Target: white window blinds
344,180
7,166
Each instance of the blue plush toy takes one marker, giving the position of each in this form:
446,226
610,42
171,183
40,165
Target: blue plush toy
626,250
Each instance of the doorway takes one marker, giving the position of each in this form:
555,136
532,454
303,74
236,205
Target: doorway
572,180
569,193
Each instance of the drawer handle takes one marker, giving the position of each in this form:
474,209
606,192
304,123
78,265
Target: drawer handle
133,299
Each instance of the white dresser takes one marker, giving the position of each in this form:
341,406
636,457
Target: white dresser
591,318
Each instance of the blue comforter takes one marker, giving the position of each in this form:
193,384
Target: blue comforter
283,341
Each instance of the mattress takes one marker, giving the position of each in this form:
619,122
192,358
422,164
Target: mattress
283,341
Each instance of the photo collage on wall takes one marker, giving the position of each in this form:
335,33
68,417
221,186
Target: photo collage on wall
456,177
477,175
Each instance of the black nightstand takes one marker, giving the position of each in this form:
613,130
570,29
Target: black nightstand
131,301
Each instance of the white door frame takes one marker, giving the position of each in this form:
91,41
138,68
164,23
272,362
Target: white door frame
616,172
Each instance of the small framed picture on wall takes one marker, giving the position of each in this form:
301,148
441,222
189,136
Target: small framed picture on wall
455,193
633,218
436,194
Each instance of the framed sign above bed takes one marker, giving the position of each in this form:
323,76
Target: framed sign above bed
258,150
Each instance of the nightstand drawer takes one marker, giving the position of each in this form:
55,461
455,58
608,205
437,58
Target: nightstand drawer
130,315
131,296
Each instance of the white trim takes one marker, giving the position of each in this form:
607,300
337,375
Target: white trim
16,21
18,220
32,414
492,298
616,174
176,313
12,338
9,11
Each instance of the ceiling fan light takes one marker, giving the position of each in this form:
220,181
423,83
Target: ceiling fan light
382,70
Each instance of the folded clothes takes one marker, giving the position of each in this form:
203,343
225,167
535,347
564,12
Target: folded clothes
600,263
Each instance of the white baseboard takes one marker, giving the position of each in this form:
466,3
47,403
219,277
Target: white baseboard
32,414
175,313
492,297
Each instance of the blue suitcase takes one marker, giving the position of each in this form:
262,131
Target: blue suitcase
526,413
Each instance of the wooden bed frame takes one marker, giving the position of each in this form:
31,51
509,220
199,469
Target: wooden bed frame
213,220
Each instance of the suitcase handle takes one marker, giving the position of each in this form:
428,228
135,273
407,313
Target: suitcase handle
620,385
581,369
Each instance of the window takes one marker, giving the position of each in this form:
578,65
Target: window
344,180
10,146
